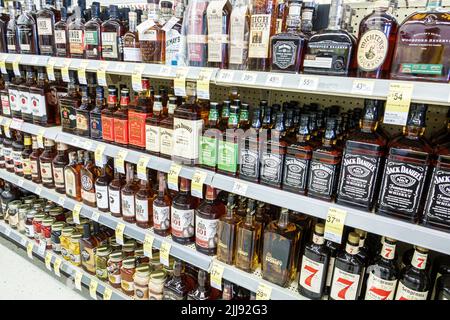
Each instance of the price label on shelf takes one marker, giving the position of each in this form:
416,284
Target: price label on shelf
216,275
136,77
81,72
87,145
3,58
148,245
363,87
274,80
249,78
42,247
40,138
57,266
142,167
16,124
95,216
78,279
334,224
30,246
309,83
48,260
164,253
165,71
174,172
75,141
61,201
119,162
119,233
93,285
203,81
7,232
76,213
264,292
16,67
65,70
99,158
398,102
240,188
226,75
6,126
198,179
20,183
38,190
51,69
179,83
101,74
107,294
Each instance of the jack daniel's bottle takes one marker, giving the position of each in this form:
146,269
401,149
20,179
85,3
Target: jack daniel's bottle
251,149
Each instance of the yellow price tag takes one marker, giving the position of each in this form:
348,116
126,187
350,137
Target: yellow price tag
48,261
3,58
136,77
40,138
148,245
65,70
6,127
51,69
76,213
16,67
119,233
30,246
57,266
93,289
398,102
101,74
107,294
164,253
99,159
81,72
203,81
173,174
198,179
263,292
179,83
78,279
334,224
216,275
142,167
120,161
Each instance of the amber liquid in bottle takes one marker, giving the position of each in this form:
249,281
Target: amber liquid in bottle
183,215
128,194
72,177
89,173
83,113
45,162
121,119
92,35
137,115
161,208
226,233
152,41
152,131
112,31
166,130
108,115
114,193
59,163
144,204
101,190
248,236
34,161
26,153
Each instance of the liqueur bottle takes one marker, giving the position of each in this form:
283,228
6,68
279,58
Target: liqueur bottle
114,194
377,36
166,130
262,27
406,169
298,158
83,118
61,36
112,31
207,217
196,24
315,260
45,163
324,165
26,161
330,51
34,160
152,131
128,194
144,204
383,274
27,30
210,138
152,37
228,148
280,250
427,61
107,115
96,115
182,218
361,162
59,163
121,119
131,46
226,233
45,20
218,26
137,115
76,32
347,271
92,40
42,99
101,190
248,235
69,104
414,280
203,290
161,208
175,46
176,288
24,95
250,154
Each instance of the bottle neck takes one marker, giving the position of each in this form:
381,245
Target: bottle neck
434,4
336,14
130,175
293,20
419,260
369,126
413,132
388,250
283,220
318,238
329,138
132,24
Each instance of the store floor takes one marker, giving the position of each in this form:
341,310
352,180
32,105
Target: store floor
22,278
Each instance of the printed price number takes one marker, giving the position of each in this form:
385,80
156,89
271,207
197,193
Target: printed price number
363,87
30,246
93,285
198,179
216,275
203,82
308,83
136,77
99,158
48,261
76,213
142,167
119,233
120,161
107,294
164,253
240,188
249,78
51,69
148,245
78,279
173,174
274,80
334,224
264,292
81,72
226,76
179,83
398,102
57,266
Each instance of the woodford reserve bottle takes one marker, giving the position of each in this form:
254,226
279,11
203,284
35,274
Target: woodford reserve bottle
347,271
239,35
195,24
182,219
248,235
250,154
262,27
59,163
218,24
361,161
414,281
226,233
315,260
45,163
406,169
88,174
161,208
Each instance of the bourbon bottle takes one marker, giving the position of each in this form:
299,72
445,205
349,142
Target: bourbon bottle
176,40
114,194
34,160
112,31
95,115
69,104
107,116
83,113
161,208
121,119
176,288
166,130
203,290
45,163
27,30
26,161
183,215
248,235
152,37
226,233
76,32
88,175
44,104
24,95
59,163
128,194
101,190
61,36
93,44
131,46
12,38
137,115
45,20
218,24
144,204
196,33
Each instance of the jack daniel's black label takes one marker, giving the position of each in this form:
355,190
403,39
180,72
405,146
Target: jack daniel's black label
272,168
249,164
322,178
295,174
438,202
402,186
284,53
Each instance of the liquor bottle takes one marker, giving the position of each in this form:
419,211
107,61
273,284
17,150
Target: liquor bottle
112,31
443,288
224,115
61,36
166,129
12,38
273,153
406,168
2,157
92,34
107,114
115,194
4,19
226,233
7,150
218,26
209,139
330,51
228,148
195,24
152,37
315,260
176,288
88,246
121,119
4,96
101,190
45,113
161,208
144,204
378,33
96,115
128,193
69,104
16,153
45,20
45,163
34,160
88,174
414,281
152,131
76,32
182,215
262,27
347,271
26,30
131,46
427,61
248,236
83,113
383,274
363,254
239,35
137,115
250,153
26,161
324,167
361,162
24,95
175,46
203,290
59,163
281,14
207,217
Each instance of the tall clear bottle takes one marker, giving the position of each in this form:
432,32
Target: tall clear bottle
248,235
176,39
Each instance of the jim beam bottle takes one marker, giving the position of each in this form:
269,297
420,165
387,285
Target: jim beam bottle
315,260
414,281
347,271
383,274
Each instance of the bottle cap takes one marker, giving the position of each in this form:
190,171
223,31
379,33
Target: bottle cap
319,228
353,238
417,115
362,234
421,249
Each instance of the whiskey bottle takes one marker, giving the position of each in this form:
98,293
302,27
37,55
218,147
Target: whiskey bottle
228,148
315,260
144,204
16,154
241,209
248,235
298,158
88,174
43,105
406,168
281,14
59,163
210,138
61,36
76,32
361,162
112,31
224,115
250,154
7,150
377,36
175,46
107,115
69,104
176,288
414,281
262,27
280,250
330,51
347,271
137,115
34,159
83,113
92,40
24,95
12,38
128,194
131,46
324,167
152,37
239,35
207,217
45,163
161,208
195,24
26,30
88,246
4,95
114,194
45,20
152,130
183,215
166,129
96,115
203,290
226,233
4,19
218,26
383,274
101,190
26,161
363,254
2,156
121,119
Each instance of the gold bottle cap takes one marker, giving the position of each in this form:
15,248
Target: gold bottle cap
392,240
143,271
353,238
421,249
158,276
362,234
319,228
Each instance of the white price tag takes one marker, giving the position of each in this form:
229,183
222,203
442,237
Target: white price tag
65,70
308,83
249,78
198,179
148,245
42,247
240,188
226,75
76,213
93,289
95,216
120,228
107,294
274,80
119,161
78,278
363,87
164,253
16,67
101,74
398,102
100,159
51,69
264,292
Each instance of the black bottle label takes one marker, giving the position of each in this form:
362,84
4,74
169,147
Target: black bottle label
68,117
272,168
96,126
358,177
284,53
328,57
402,186
438,201
249,163
295,172
322,178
